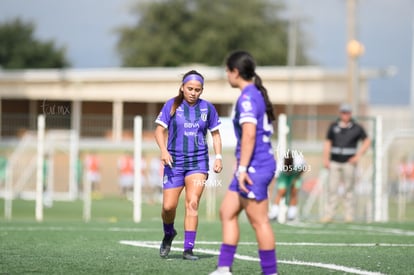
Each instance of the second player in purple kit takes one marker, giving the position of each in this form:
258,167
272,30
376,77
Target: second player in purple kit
256,166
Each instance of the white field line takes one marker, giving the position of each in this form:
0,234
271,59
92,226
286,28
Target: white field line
298,244
317,244
391,231
254,259
364,228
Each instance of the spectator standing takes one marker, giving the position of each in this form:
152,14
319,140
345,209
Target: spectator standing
126,174
341,155
93,174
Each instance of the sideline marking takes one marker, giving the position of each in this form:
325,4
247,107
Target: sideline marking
385,230
369,229
295,244
151,244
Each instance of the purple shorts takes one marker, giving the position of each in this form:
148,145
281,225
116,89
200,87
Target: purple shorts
259,189
174,177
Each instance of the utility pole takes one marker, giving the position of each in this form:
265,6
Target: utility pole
354,50
292,55
412,76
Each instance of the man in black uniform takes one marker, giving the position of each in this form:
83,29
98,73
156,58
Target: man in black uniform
340,156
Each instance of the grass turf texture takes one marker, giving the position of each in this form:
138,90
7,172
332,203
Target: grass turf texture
63,244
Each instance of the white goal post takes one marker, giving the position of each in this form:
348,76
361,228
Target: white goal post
378,204
30,168
137,168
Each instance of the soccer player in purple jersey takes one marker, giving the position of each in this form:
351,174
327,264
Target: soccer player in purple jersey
253,116
180,133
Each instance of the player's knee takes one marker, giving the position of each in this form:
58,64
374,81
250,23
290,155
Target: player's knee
169,207
192,207
258,225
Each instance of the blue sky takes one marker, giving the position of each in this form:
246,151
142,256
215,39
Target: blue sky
385,27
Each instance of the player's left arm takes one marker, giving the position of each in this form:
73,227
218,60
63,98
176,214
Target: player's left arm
248,141
218,163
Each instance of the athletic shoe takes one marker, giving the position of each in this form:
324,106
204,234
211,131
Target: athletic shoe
166,244
222,270
188,255
273,212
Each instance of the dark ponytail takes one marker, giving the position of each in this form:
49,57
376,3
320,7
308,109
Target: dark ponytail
263,90
246,65
177,102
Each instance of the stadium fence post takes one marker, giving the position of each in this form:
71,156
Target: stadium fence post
8,193
137,200
40,162
380,209
73,159
283,131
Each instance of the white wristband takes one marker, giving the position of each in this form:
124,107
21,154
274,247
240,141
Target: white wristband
242,169
219,156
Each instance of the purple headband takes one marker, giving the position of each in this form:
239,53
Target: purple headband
193,77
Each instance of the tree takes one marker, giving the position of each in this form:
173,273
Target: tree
176,32
19,49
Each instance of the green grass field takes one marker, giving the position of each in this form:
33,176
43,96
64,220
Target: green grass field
112,244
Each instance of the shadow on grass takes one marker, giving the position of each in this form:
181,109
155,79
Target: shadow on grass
179,256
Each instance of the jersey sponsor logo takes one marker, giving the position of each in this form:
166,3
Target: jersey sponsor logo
190,134
191,125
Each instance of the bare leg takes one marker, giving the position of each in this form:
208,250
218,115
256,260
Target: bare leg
170,203
229,214
194,186
257,214
169,207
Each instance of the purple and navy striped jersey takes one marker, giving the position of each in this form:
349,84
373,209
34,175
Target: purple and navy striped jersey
251,107
187,130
